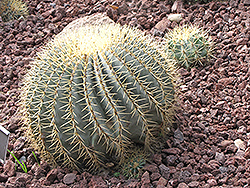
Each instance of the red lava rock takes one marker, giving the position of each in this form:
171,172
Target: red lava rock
162,182
157,158
246,2
47,13
212,182
131,183
247,153
60,176
177,6
183,185
59,185
2,97
206,168
155,176
145,180
220,157
151,168
217,93
11,182
51,176
3,177
81,183
214,164
38,171
225,143
97,182
9,168
123,8
24,177
163,25
171,151
231,148
194,184
226,81
19,143
230,161
164,171
44,182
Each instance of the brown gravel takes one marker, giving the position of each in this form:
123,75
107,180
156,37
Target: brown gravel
209,145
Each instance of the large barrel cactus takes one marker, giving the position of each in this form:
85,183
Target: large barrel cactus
93,92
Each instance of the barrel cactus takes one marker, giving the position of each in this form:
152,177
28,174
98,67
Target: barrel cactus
189,45
12,10
93,92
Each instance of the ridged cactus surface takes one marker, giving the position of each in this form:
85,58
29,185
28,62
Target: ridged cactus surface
93,92
189,45
12,10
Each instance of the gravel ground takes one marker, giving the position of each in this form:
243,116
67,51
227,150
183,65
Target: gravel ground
210,143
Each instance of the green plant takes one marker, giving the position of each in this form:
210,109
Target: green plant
189,46
35,158
93,92
117,174
23,166
12,10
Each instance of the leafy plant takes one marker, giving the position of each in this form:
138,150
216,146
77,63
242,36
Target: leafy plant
189,45
23,166
12,10
92,93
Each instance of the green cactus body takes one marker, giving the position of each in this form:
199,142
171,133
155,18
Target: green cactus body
93,92
189,46
133,164
12,10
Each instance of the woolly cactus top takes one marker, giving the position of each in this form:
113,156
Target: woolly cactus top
89,39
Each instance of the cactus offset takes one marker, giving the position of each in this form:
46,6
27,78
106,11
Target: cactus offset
12,10
93,92
133,164
189,46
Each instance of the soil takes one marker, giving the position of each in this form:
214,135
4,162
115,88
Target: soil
208,147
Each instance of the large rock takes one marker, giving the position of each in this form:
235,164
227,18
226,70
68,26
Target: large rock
94,19
97,181
69,178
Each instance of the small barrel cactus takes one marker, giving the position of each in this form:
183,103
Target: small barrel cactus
94,91
12,10
133,164
190,46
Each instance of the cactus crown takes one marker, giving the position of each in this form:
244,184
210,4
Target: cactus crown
189,45
93,92
12,10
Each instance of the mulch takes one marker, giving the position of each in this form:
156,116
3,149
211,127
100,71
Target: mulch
208,146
